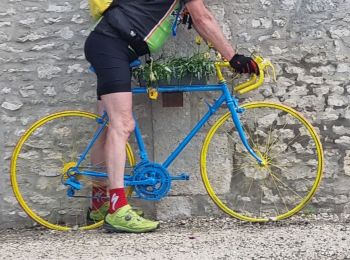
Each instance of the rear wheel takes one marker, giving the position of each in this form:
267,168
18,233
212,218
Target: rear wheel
39,166
241,187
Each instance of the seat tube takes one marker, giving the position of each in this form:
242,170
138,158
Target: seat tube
140,143
232,105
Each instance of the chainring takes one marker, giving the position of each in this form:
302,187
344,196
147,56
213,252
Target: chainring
162,181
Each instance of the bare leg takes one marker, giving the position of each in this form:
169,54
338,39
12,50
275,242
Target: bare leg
120,215
121,124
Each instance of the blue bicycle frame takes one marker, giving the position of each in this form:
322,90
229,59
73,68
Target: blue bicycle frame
226,97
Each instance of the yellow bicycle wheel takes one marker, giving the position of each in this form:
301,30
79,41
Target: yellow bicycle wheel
39,165
293,168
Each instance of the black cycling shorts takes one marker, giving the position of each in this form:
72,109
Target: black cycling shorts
110,58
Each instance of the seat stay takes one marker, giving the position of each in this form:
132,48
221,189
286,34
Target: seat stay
141,145
103,121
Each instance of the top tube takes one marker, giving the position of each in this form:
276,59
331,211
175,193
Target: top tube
182,88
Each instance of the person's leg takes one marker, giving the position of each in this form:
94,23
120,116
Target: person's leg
121,124
100,201
110,58
120,217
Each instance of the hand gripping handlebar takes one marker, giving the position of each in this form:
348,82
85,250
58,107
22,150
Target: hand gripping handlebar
255,81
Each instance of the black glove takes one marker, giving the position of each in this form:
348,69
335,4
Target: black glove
243,64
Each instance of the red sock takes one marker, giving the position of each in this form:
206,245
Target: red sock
117,199
99,197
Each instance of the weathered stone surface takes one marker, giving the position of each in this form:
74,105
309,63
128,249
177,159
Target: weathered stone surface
48,71
12,103
66,33
174,207
50,91
43,47
343,140
32,37
28,21
341,130
75,68
66,7
338,100
347,163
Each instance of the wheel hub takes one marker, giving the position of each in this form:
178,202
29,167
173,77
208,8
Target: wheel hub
265,159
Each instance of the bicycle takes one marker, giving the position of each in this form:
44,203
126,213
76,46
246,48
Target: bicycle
259,162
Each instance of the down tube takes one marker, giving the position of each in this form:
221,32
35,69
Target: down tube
194,131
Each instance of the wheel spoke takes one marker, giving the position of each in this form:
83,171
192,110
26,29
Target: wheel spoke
274,203
250,186
273,142
285,185
268,140
289,171
279,192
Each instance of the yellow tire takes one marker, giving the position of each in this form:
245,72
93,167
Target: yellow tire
40,161
241,187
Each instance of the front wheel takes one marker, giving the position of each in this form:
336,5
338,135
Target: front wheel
241,187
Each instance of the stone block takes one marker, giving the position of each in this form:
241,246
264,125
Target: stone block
347,163
338,100
174,208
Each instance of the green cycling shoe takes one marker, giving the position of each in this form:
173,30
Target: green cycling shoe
97,215
126,219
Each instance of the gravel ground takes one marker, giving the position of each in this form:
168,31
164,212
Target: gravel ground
197,238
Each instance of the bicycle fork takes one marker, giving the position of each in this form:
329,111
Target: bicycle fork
234,108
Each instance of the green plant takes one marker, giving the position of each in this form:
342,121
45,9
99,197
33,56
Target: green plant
159,69
197,66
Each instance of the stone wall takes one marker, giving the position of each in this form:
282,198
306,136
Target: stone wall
43,70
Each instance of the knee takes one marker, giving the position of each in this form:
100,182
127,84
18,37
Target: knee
122,126
129,126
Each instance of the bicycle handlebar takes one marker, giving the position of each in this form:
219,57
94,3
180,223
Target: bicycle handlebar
255,81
